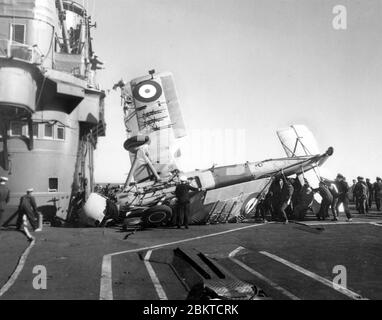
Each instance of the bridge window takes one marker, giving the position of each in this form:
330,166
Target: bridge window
18,32
35,130
48,132
53,185
16,129
60,133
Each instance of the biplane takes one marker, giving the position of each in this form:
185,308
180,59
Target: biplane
227,192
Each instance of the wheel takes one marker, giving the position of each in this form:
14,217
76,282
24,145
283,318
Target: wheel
157,216
134,143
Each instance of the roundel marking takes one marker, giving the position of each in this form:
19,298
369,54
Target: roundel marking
147,91
250,205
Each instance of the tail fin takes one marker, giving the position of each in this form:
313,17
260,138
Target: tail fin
298,140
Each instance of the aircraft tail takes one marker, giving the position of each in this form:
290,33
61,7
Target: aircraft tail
298,141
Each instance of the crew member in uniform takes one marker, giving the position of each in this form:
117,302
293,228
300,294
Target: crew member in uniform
286,198
275,194
360,191
94,66
28,208
335,194
343,196
327,200
4,196
182,193
370,195
378,193
352,194
304,201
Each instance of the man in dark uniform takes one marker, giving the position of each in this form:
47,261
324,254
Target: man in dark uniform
183,204
378,193
4,196
370,195
95,63
296,191
354,198
327,200
285,199
28,208
360,191
304,201
343,196
274,194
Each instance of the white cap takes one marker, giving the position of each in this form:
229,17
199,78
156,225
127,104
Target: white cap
4,179
183,179
30,190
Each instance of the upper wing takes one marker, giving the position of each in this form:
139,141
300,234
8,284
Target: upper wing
154,112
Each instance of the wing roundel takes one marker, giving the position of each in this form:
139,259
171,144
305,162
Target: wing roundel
147,91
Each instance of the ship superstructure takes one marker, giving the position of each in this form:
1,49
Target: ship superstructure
51,107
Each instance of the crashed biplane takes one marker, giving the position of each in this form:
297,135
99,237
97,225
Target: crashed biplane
154,125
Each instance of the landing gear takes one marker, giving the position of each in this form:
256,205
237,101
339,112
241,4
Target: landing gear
156,216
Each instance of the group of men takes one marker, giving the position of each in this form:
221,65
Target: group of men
334,194
287,199
27,209
364,192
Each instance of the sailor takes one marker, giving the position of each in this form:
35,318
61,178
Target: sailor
360,192
370,195
265,207
304,201
352,194
27,210
297,189
274,194
327,200
4,196
343,196
183,201
72,39
94,62
94,66
285,198
334,191
378,192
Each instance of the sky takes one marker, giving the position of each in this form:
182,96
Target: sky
243,70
